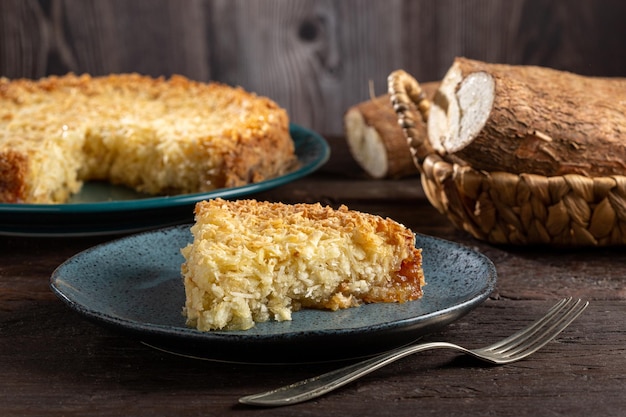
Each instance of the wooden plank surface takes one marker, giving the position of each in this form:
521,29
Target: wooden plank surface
314,57
54,363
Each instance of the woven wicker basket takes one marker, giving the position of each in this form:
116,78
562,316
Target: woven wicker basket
504,208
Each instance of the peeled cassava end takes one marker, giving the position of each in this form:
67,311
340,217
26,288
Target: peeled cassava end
460,109
366,145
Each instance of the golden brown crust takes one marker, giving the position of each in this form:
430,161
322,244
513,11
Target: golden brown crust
13,167
156,135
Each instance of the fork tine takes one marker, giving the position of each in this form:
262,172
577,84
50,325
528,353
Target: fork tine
552,329
524,333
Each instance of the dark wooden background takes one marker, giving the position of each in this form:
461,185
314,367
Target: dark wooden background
314,57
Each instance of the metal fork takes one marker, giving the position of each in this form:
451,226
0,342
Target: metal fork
511,349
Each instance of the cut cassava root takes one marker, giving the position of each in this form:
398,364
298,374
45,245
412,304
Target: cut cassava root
526,119
375,139
521,155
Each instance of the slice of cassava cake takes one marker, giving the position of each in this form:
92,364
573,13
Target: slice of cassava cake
253,261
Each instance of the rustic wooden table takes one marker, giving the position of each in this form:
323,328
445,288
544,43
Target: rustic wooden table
52,362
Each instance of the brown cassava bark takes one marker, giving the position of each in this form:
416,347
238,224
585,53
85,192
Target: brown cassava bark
548,122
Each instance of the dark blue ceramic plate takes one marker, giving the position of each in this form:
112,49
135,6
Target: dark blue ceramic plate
134,285
102,208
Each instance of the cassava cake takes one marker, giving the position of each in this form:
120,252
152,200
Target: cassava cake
159,136
253,261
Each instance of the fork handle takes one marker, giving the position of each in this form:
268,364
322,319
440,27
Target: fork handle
317,386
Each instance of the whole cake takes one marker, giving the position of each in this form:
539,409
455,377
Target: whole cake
158,136
254,261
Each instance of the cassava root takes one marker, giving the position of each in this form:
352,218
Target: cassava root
376,141
526,119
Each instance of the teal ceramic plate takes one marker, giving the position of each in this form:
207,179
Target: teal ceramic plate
102,208
134,285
